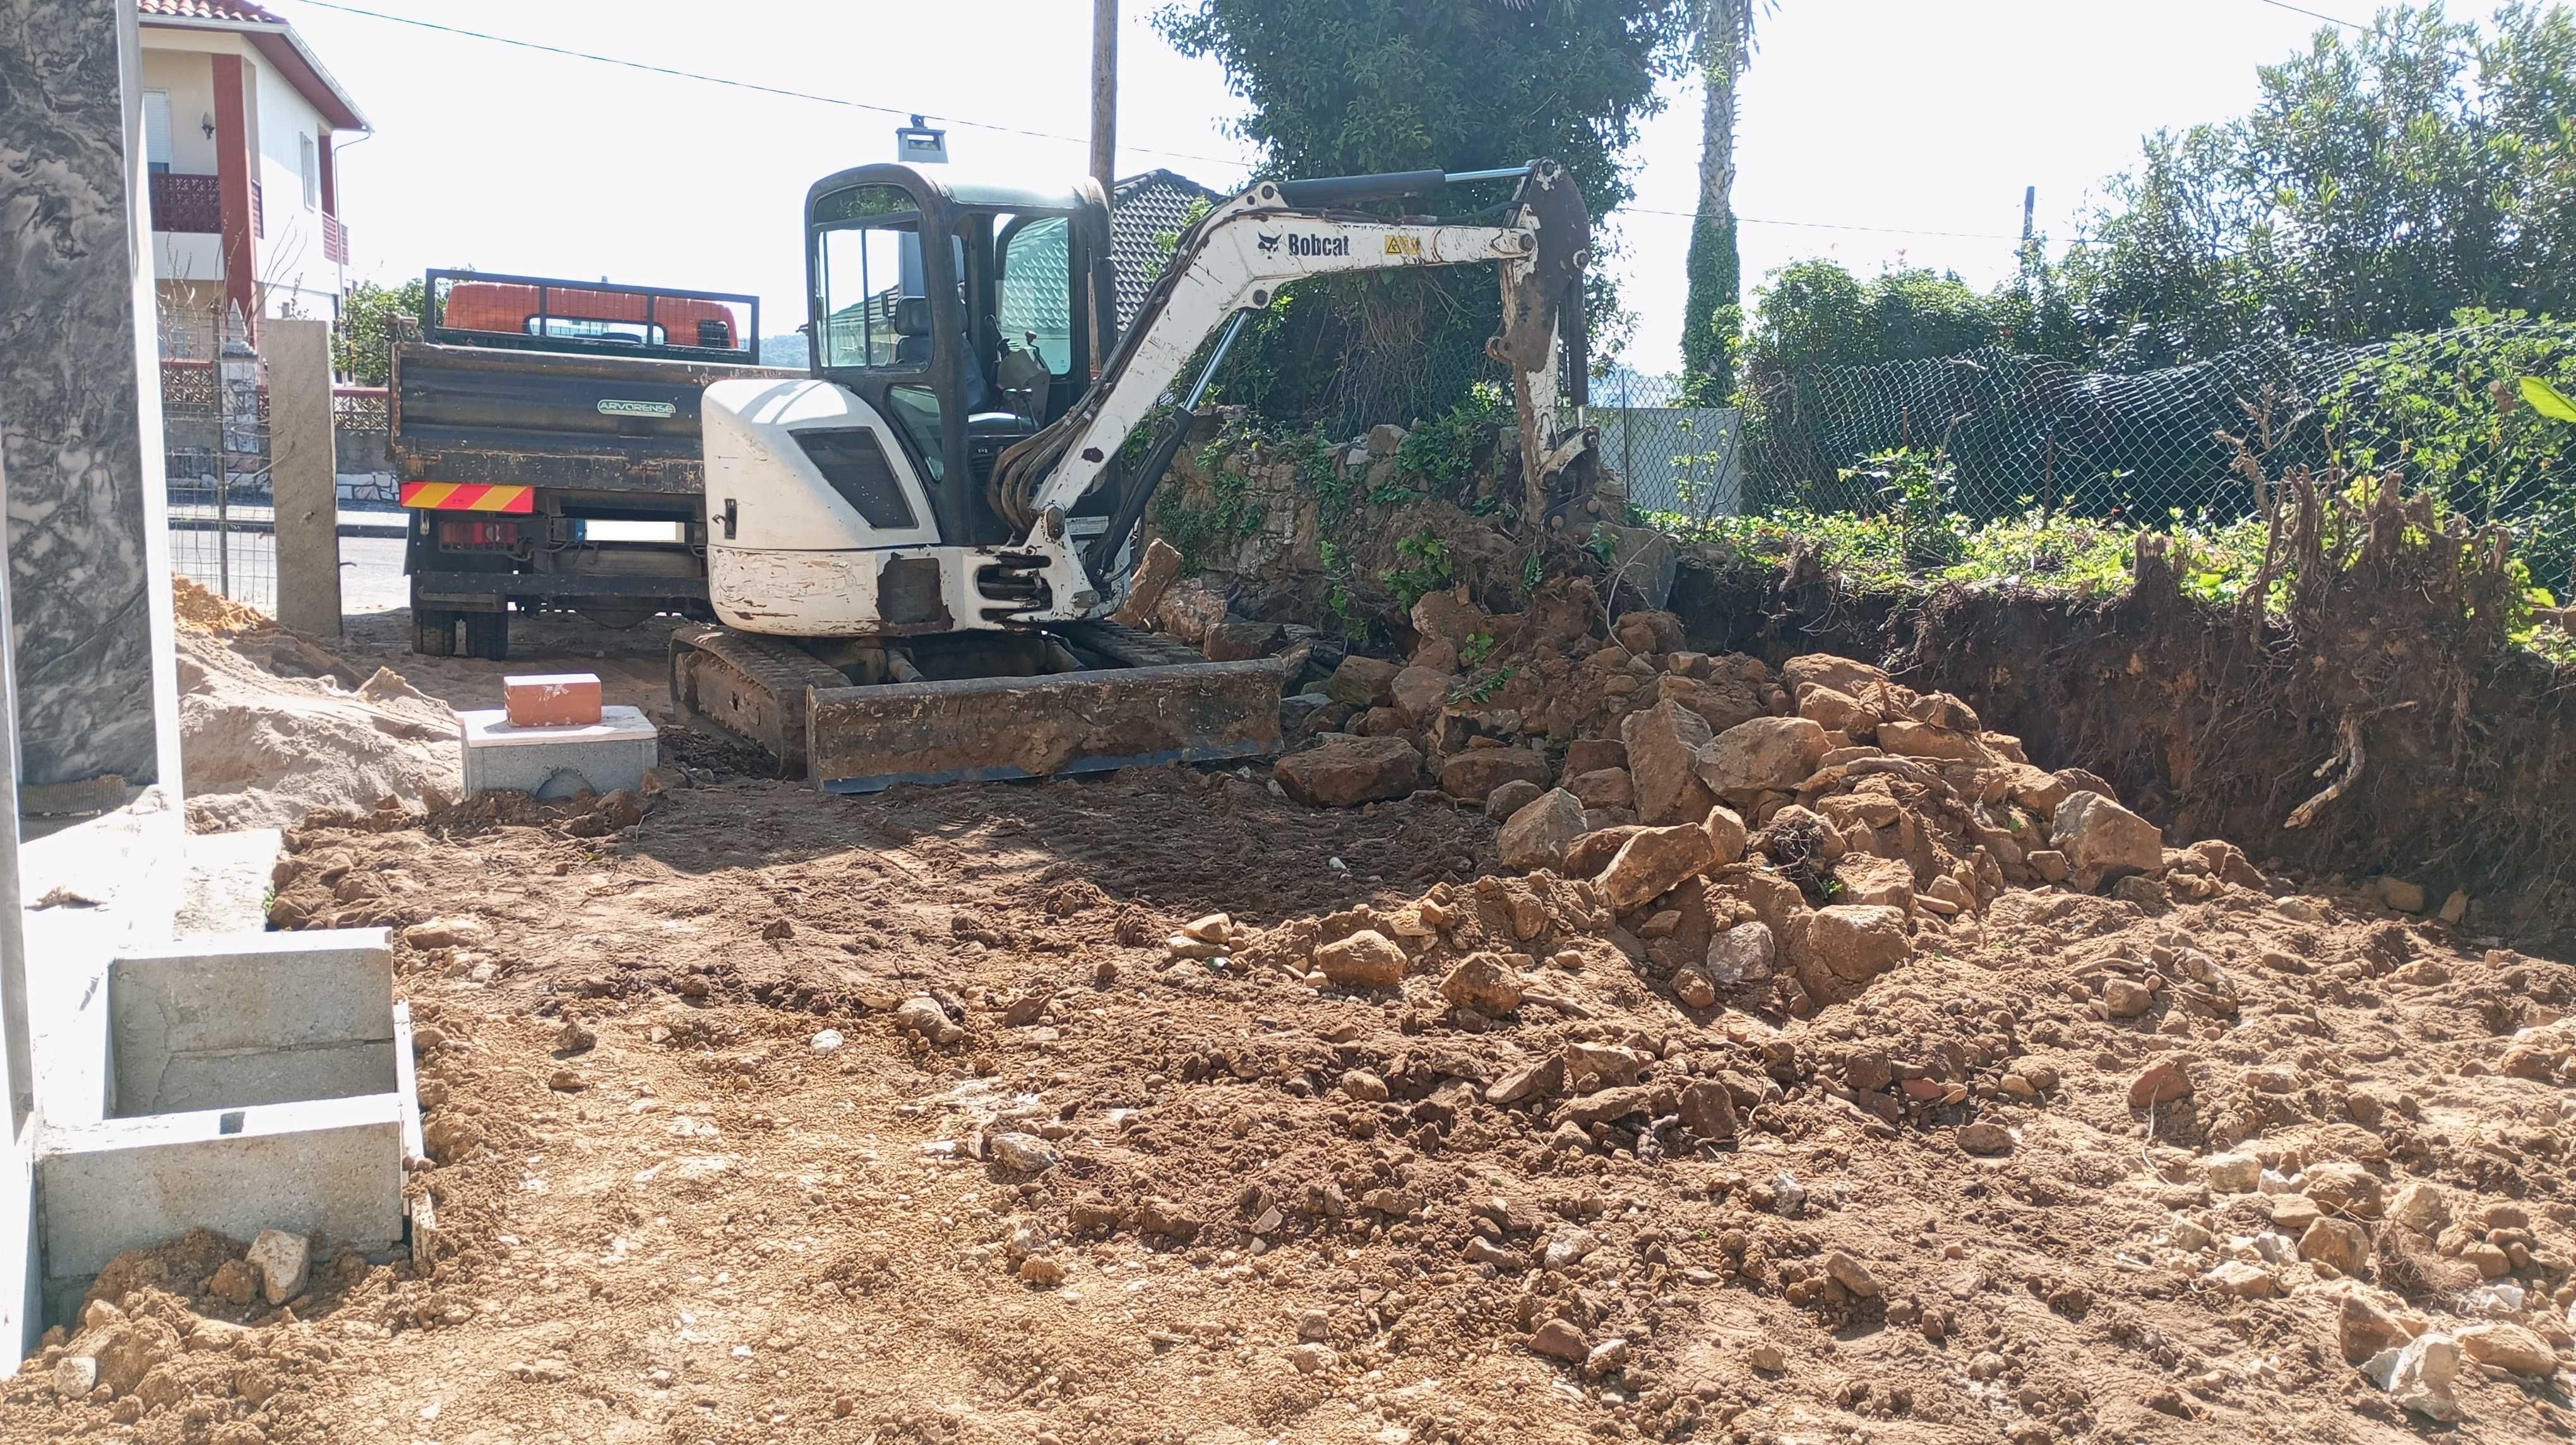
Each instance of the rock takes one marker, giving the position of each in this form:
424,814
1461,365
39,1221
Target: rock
132,1350
284,1261
1694,988
2418,1374
1237,641
1040,1269
1561,1340
1865,879
1534,1081
1026,1153
1418,693
1511,797
445,933
1823,669
1188,609
1604,788
2040,792
1984,1137
575,1037
1851,1274
1541,833
1607,1358
1589,854
2455,907
2126,998
1766,754
1154,576
1835,711
922,1015
1858,942
1727,836
2148,893
2421,1207
1344,772
2243,1280
1485,983
1210,928
2401,895
1568,1247
2163,1082
1474,774
2338,1242
1746,951
1767,1357
2363,1329
1311,1358
1366,959
235,1282
1363,682
1662,744
825,1041
75,1376
1708,1109
2103,841
1918,740
2049,864
2231,1173
2347,1189
1364,1086
2509,1347
1653,861
1605,1105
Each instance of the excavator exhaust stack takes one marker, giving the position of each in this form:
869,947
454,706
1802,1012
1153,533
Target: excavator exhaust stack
1133,700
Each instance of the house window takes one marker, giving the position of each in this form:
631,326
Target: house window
156,131
312,167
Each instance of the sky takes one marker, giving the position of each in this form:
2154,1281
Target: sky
1876,132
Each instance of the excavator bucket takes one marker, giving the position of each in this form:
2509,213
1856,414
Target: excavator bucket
1140,700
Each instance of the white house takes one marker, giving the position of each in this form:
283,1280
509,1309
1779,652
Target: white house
240,120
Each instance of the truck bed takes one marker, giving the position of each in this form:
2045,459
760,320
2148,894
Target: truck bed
551,419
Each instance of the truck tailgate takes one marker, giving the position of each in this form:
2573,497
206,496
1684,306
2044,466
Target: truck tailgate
551,419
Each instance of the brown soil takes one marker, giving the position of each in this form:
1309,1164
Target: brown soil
1278,1210
723,1234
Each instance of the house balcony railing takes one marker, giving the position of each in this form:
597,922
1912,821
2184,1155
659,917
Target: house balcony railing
335,240
188,204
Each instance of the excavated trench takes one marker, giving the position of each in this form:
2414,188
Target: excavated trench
2443,754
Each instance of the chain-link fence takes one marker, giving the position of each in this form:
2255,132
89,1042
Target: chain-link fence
1676,458
214,419
2033,432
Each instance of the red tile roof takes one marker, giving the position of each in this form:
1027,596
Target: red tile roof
238,10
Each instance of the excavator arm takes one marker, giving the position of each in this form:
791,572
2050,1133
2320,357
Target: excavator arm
1234,261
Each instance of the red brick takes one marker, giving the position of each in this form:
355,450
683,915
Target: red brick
563,699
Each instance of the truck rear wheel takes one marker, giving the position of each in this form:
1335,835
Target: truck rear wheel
487,635
433,633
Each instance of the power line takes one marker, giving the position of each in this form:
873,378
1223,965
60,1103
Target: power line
2314,15
1825,225
751,85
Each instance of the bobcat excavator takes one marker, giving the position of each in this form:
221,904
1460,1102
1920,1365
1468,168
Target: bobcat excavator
911,551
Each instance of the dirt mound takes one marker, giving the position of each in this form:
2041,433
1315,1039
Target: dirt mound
274,726
201,610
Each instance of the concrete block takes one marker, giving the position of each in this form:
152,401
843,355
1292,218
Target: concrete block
251,1018
557,762
551,700
303,472
325,1166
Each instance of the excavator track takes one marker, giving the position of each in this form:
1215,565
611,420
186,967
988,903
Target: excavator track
753,687
1140,700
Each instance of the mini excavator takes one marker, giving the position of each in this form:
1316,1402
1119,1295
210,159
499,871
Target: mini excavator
911,552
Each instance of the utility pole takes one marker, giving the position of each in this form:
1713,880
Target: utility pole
2029,207
1104,93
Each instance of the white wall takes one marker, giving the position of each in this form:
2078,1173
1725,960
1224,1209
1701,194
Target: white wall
291,267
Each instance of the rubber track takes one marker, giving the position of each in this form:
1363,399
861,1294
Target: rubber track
1133,647
777,667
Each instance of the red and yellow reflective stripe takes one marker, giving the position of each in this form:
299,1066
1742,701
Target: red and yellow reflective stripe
468,497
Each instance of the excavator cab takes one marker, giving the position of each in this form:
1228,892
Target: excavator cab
971,313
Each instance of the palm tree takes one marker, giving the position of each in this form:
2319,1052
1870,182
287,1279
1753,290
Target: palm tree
1712,311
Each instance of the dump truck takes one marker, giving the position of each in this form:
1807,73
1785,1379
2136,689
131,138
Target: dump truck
545,437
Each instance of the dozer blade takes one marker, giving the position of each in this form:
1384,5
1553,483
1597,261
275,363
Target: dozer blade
863,739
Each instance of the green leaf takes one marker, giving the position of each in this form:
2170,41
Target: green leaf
2547,400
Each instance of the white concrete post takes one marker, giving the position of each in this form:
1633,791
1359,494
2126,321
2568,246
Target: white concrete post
303,471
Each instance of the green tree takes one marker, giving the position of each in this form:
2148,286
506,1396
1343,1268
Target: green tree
2383,182
360,343
1712,312
1339,87
1813,313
